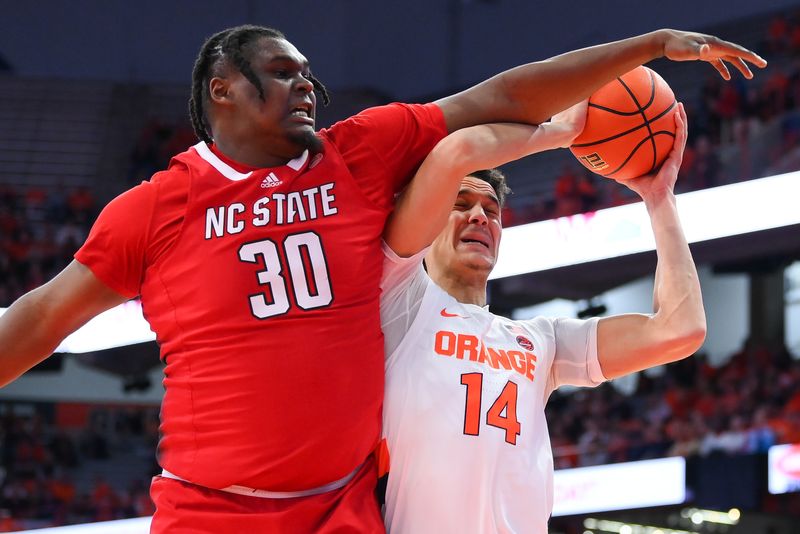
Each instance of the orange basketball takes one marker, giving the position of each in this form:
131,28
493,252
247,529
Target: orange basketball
630,126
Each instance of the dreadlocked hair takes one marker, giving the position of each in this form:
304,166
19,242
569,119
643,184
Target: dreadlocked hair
232,45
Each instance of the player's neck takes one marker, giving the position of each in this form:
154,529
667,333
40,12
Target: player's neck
467,288
249,154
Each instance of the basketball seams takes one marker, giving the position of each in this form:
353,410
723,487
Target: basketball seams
652,91
638,108
632,153
608,109
626,132
664,132
636,148
644,118
614,111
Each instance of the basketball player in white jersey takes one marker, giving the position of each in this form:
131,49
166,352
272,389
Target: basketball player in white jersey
464,420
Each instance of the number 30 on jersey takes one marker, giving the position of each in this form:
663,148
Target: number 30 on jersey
307,268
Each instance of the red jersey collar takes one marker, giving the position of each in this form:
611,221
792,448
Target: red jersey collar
234,170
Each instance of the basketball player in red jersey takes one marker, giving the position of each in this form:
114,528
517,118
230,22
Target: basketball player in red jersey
257,256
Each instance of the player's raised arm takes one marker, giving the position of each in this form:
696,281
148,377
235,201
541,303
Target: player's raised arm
422,210
531,93
676,329
38,321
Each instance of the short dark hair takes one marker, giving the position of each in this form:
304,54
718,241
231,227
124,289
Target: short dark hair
497,180
230,45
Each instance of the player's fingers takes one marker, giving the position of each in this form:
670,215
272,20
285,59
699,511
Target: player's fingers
686,46
721,68
673,161
741,66
685,121
680,138
719,47
725,48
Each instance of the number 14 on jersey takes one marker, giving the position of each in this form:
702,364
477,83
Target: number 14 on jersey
502,414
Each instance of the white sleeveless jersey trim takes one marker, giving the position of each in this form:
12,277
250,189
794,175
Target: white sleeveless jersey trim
232,174
224,169
297,163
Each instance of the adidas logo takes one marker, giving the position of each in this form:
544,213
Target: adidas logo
270,181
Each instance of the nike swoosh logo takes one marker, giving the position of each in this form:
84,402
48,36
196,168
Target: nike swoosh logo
445,313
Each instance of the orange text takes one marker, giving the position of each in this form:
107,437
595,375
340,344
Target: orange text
469,347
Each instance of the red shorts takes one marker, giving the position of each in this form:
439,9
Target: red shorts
184,508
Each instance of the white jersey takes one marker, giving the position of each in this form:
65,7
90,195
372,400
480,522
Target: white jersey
463,417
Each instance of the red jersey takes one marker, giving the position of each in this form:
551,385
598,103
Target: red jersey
262,286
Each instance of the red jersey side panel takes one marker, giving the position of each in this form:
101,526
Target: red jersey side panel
264,298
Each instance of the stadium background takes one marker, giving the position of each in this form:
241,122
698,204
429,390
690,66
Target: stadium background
92,100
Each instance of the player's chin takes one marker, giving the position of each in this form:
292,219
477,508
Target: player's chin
479,262
307,139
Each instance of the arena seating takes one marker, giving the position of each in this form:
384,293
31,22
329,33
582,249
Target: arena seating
66,147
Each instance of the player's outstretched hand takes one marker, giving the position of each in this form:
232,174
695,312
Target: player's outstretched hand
690,46
663,182
570,122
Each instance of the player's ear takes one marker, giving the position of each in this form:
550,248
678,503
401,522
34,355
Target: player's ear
218,89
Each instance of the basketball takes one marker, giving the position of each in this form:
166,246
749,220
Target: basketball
629,126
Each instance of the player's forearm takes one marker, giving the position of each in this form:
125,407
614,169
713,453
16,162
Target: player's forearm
534,92
422,211
632,342
491,145
25,337
564,80
679,313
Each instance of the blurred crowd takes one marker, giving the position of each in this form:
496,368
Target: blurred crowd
56,472
743,407
40,230
157,142
739,130
58,469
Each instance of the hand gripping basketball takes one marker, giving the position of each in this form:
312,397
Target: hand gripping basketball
664,180
629,126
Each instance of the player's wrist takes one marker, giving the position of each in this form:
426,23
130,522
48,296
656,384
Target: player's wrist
553,135
656,42
658,198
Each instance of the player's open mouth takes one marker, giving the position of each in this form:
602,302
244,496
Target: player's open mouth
476,241
302,113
